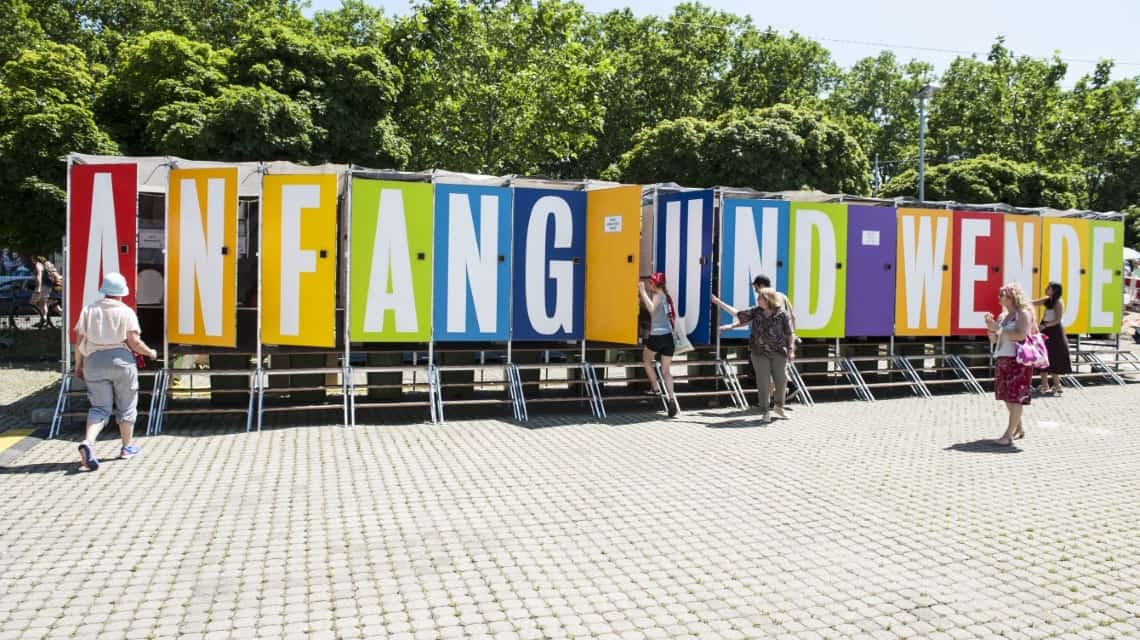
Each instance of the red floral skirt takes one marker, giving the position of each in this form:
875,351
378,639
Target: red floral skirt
1012,381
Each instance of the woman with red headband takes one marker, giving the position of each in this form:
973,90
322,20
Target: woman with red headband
1012,380
660,342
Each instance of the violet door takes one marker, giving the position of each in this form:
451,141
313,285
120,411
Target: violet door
871,253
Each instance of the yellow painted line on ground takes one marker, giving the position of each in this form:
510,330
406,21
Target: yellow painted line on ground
12,436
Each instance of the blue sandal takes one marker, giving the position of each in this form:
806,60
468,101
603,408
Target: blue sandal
90,462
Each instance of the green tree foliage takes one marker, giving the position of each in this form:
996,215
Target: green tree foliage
1099,131
991,178
45,113
354,24
1132,227
673,151
875,99
240,123
777,148
99,27
767,68
696,95
497,87
696,62
1005,105
18,30
156,70
349,92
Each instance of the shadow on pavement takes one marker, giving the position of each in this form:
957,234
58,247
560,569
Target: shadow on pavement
18,413
739,424
983,446
70,468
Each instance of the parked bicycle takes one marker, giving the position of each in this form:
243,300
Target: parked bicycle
15,305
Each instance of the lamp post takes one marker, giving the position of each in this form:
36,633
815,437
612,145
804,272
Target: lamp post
924,94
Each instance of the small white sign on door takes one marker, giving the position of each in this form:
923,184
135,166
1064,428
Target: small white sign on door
151,238
613,224
870,238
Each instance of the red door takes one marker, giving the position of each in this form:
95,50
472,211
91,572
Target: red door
102,225
978,256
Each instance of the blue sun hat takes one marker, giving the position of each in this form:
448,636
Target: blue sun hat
114,284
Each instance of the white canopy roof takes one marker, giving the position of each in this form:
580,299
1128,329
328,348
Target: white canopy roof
154,170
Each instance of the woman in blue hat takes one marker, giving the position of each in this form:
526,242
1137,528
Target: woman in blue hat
108,337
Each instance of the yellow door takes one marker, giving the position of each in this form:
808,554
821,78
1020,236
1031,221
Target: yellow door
922,289
298,260
1065,259
201,240
613,234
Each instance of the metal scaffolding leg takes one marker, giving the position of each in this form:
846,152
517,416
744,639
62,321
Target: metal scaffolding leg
1105,370
159,413
662,392
256,387
856,379
1128,359
521,392
155,400
345,375
435,397
515,388
916,384
727,372
60,407
964,374
801,389
352,396
590,375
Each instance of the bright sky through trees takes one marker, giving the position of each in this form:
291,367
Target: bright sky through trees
1087,30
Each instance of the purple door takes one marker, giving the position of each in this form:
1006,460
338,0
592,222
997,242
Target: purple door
871,255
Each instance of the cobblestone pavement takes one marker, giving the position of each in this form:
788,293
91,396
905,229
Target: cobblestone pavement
850,520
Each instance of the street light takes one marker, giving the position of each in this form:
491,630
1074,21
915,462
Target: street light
924,94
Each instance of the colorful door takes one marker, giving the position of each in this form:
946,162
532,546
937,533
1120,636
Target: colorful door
391,265
871,255
1065,254
298,260
922,290
1106,278
684,254
613,229
1021,240
550,264
753,242
472,283
201,238
978,257
101,223
818,270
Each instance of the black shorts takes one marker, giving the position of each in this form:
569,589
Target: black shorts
661,345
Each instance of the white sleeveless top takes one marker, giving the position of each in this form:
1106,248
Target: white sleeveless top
1007,348
105,324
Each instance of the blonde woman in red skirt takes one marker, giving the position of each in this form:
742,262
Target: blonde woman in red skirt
1012,380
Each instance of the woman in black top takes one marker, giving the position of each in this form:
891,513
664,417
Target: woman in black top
1056,344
